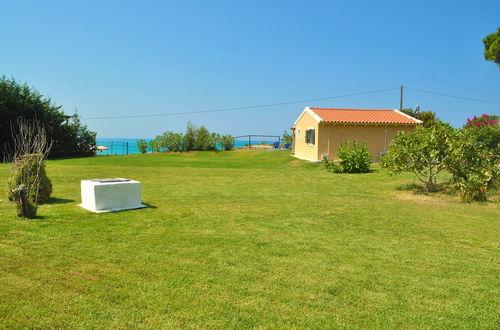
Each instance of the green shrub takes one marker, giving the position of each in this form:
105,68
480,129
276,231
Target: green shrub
213,142
172,141
20,167
227,142
484,121
189,137
472,165
355,159
142,145
332,166
155,144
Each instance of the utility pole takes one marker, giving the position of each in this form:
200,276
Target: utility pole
401,99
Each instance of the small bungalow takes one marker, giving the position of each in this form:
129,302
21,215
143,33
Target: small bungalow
318,132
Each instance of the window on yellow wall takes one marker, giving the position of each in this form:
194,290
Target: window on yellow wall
310,136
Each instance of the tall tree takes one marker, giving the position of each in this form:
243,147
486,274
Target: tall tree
492,47
19,101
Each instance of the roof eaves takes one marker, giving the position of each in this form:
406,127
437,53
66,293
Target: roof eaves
408,116
366,123
314,114
300,116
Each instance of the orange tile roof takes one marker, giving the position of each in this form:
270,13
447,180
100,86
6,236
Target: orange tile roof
364,116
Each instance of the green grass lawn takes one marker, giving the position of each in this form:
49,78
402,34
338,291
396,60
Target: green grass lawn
248,239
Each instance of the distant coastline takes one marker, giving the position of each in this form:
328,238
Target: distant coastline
121,146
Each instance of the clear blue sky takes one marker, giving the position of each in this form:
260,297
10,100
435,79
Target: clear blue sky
110,58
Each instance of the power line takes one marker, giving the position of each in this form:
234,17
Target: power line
454,96
243,107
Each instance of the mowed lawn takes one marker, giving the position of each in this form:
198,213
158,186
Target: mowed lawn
248,239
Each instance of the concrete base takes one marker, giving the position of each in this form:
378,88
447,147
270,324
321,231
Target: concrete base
111,195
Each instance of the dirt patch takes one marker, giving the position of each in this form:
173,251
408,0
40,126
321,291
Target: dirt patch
430,199
296,163
257,147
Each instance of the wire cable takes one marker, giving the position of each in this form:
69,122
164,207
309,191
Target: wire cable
454,96
242,107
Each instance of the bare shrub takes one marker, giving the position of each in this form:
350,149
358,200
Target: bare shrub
29,151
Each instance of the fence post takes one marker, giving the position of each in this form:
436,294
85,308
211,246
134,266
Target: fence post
249,142
127,148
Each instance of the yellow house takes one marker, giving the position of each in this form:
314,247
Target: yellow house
318,132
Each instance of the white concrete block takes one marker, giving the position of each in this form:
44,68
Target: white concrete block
107,195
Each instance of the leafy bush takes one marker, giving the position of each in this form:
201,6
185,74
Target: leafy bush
213,142
332,166
483,121
189,137
472,164
195,139
355,159
227,142
172,141
155,144
202,138
487,131
20,167
423,152
142,145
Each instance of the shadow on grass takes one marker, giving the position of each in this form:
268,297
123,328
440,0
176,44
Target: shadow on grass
149,206
420,189
53,200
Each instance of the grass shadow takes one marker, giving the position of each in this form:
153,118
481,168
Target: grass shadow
150,206
53,200
420,189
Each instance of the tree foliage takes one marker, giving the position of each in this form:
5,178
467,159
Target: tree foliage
484,121
486,129
287,138
428,118
172,141
423,152
492,47
472,165
155,144
69,137
189,137
470,155
227,142
194,139
142,145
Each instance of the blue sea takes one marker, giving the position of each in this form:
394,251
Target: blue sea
117,146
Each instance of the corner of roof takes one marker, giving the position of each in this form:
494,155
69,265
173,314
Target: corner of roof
300,116
417,121
309,111
313,114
